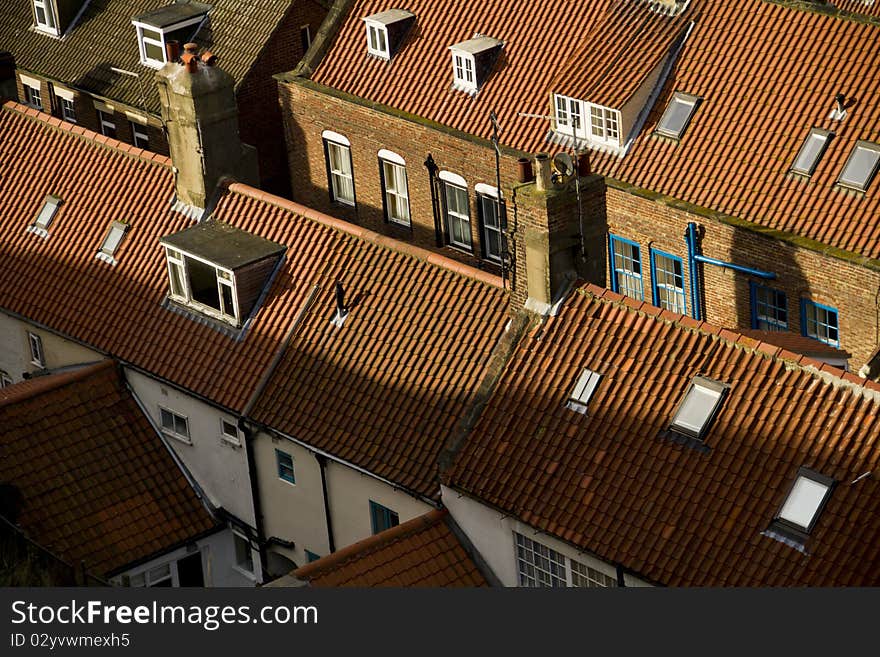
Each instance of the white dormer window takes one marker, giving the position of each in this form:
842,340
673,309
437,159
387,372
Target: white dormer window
44,16
569,116
377,41
604,125
463,72
601,125
176,22
201,284
386,32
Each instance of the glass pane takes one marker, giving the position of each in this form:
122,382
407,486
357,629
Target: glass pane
674,118
176,273
228,305
154,51
803,502
113,239
180,425
810,152
46,214
696,409
203,283
860,167
151,34
167,420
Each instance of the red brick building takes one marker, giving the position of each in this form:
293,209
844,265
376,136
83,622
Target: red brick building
109,87
735,191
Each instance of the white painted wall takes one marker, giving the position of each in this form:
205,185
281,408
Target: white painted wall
15,352
296,512
218,562
220,468
492,535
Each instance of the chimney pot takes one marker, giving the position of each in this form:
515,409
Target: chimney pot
524,170
190,61
583,163
542,163
172,51
191,47
209,58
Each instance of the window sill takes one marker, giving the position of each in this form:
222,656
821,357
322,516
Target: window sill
289,483
344,203
461,249
177,437
229,442
245,572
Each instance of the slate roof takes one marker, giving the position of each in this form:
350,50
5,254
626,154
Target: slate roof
611,481
423,552
97,484
378,392
765,72
236,32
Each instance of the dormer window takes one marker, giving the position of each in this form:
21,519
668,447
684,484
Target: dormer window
604,125
386,32
811,152
604,122
177,22
40,225
472,62
803,505
698,408
861,166
44,16
678,114
219,270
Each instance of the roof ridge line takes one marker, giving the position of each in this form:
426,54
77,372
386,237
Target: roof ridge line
371,543
85,133
368,235
50,382
827,373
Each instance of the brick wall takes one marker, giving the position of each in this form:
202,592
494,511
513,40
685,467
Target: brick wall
307,113
801,272
260,122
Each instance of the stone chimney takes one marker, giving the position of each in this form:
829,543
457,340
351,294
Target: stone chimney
554,242
201,118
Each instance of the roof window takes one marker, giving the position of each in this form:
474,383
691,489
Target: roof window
40,225
583,391
698,408
804,503
386,32
811,152
861,166
176,22
219,270
472,62
678,114
111,242
44,16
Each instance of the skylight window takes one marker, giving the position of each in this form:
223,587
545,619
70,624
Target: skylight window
583,391
677,115
112,242
804,503
698,408
861,166
811,152
41,223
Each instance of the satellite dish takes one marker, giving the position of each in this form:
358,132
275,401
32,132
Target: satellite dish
563,164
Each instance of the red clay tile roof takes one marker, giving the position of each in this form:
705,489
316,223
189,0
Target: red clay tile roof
610,483
378,392
623,49
236,32
97,484
421,552
766,74
795,343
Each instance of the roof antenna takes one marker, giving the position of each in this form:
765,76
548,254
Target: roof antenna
864,475
341,308
839,111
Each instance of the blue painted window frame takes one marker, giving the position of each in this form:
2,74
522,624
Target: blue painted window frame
830,311
764,323
283,468
612,262
382,518
311,556
679,292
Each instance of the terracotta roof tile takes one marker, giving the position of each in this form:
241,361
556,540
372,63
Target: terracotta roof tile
326,371
419,553
766,74
633,493
97,484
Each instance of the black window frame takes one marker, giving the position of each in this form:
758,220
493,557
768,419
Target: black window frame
790,529
721,387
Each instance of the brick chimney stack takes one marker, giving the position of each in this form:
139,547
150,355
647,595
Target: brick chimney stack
201,116
8,89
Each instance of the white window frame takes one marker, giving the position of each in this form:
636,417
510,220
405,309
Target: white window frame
38,355
379,30
227,437
238,565
390,161
454,181
804,478
184,438
176,260
41,223
464,71
5,379
139,132
607,117
160,43
106,123
335,140
570,573
32,96
68,110
818,134
565,110
583,390
48,8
